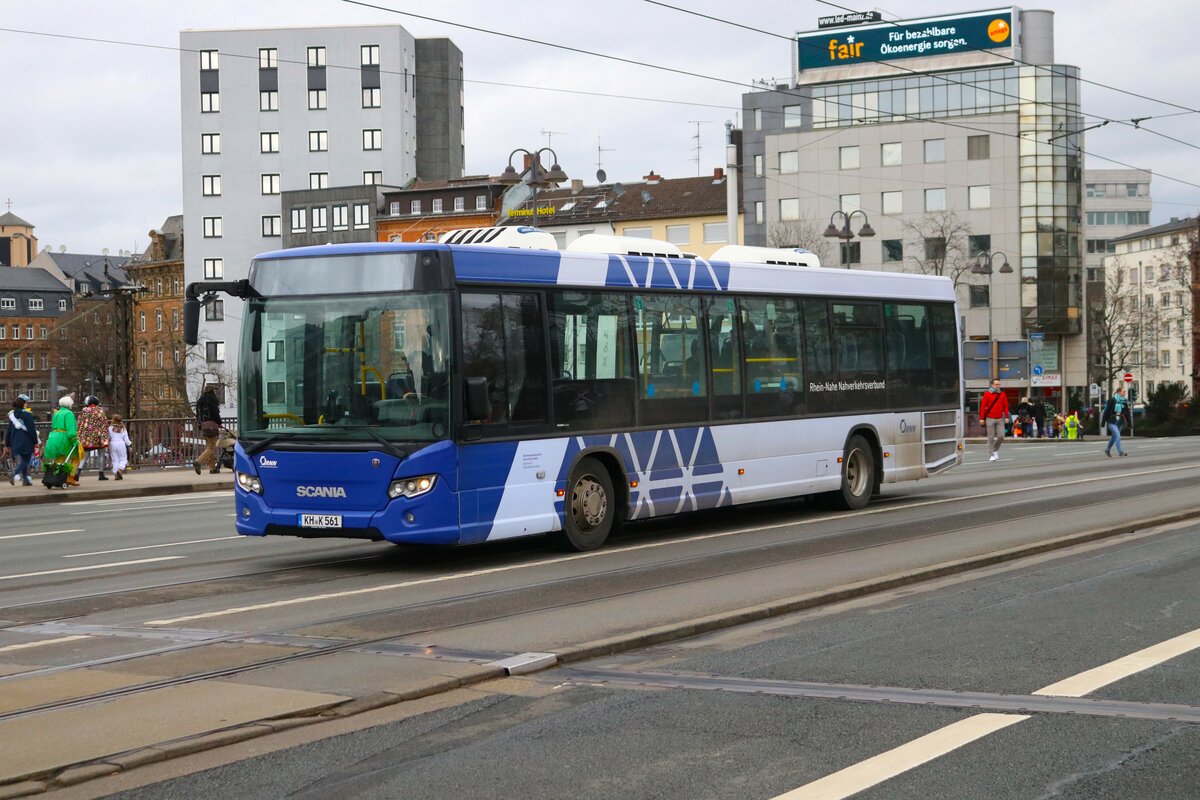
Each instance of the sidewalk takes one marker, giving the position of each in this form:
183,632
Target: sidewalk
136,483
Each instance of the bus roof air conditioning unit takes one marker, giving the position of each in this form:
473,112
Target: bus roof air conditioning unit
779,256
624,245
522,237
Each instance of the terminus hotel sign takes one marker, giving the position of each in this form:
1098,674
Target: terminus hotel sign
888,41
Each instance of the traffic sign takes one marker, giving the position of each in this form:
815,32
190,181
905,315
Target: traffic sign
1129,377
1095,389
1037,369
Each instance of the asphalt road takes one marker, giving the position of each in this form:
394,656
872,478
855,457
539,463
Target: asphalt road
594,732
124,580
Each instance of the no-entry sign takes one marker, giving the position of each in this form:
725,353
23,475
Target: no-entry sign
1129,377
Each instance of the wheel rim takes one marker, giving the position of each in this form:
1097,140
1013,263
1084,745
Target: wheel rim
589,503
857,472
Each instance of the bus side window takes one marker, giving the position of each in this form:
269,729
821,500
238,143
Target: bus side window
672,359
944,388
909,354
774,374
591,361
818,358
724,347
502,342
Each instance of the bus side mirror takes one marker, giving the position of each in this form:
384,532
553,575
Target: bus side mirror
191,320
478,405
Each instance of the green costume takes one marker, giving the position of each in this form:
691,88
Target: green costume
63,442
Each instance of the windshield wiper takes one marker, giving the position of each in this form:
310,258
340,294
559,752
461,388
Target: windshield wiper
261,444
387,446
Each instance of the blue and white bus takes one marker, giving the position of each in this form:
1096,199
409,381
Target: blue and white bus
454,393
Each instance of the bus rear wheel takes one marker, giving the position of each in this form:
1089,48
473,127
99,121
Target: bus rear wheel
590,507
858,476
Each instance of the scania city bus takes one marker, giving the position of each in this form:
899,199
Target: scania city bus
495,386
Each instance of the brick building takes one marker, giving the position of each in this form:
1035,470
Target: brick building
427,209
32,304
158,353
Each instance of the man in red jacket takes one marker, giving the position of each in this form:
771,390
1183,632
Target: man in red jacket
993,413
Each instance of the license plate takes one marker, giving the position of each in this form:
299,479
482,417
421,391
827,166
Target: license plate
320,520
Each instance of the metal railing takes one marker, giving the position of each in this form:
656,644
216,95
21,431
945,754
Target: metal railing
155,442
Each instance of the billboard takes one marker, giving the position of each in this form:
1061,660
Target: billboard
889,41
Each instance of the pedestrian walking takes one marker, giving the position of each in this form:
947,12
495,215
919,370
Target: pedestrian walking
118,446
1071,424
994,414
1038,412
208,418
20,440
62,452
93,431
1116,413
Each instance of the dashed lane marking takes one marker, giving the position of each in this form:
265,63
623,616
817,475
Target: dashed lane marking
885,766
151,546
40,533
42,643
1093,679
860,776
133,509
92,568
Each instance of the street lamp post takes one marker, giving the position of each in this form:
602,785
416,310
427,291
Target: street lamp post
983,266
539,176
845,234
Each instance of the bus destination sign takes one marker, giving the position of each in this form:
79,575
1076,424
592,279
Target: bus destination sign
891,41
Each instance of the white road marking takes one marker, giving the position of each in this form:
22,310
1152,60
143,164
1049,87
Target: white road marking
131,509
81,569
43,643
40,533
885,766
151,547
154,498
1093,679
633,548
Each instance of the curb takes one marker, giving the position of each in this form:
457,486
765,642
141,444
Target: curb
78,495
28,784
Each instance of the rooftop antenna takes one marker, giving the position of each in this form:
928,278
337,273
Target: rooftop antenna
9,203
600,151
550,136
696,136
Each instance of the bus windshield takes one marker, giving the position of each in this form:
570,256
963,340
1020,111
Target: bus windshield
360,367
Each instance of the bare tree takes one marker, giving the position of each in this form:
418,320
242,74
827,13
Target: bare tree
939,244
1117,324
805,232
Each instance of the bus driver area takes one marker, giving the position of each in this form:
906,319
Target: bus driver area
491,386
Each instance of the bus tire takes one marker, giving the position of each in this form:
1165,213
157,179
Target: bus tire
858,476
589,507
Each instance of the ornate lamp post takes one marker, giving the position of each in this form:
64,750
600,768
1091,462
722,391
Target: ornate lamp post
983,266
539,176
845,234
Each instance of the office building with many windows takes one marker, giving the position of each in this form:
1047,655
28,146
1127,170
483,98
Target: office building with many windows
268,111
946,134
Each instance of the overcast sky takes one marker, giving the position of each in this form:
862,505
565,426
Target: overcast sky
90,152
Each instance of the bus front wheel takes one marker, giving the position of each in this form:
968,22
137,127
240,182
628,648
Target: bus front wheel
590,507
858,475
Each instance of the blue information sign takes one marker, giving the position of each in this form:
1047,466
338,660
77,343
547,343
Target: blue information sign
890,41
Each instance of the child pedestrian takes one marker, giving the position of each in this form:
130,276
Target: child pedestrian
118,446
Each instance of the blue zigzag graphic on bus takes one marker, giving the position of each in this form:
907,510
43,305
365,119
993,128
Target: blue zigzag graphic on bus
676,470
662,273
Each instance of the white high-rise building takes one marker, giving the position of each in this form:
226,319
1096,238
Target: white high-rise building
272,110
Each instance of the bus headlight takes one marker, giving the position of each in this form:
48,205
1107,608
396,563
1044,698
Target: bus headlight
249,483
412,487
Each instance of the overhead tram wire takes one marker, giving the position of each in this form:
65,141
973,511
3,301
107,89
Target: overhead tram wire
583,92
750,86
727,81
1134,124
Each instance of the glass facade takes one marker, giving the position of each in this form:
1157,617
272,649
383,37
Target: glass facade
952,94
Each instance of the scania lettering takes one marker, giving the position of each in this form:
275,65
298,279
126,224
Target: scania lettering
491,386
320,491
